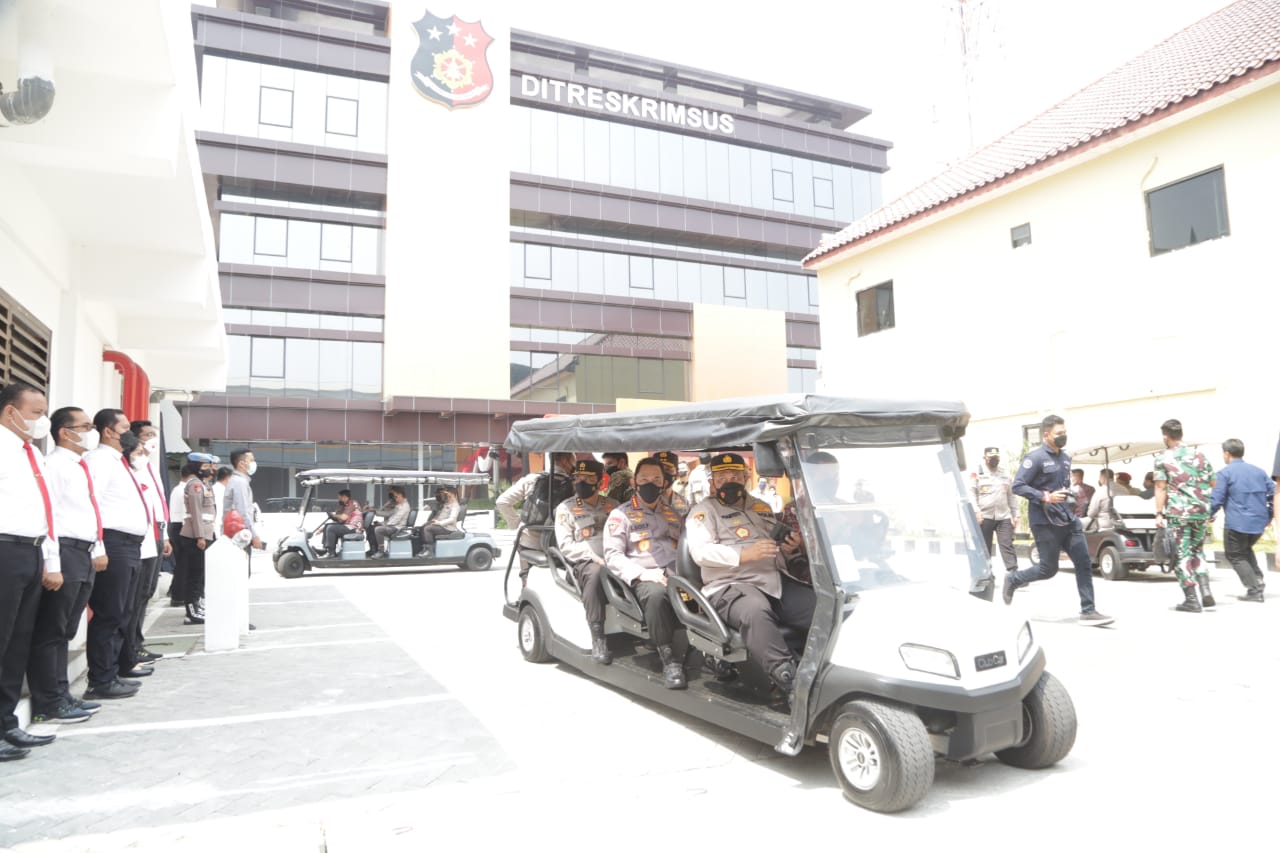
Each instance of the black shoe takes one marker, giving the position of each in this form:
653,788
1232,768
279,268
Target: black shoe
721,669
138,672
1206,595
600,651
149,657
114,690
1189,604
1254,595
424,554
378,555
672,669
194,616
1009,588
17,737
66,712
12,753
91,707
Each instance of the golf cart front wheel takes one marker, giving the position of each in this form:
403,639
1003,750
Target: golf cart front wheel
291,565
1049,727
882,755
532,636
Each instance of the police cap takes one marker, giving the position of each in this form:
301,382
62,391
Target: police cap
668,459
588,466
991,451
728,462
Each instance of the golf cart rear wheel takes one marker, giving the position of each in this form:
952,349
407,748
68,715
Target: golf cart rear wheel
532,636
882,755
291,565
479,558
1109,564
1049,727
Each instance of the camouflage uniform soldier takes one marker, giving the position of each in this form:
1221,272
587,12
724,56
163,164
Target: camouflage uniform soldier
615,465
1184,486
670,465
580,536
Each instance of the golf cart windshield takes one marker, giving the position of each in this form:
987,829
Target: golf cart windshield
892,515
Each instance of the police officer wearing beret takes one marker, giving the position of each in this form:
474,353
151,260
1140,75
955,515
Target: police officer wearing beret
1043,480
731,539
580,522
640,549
991,492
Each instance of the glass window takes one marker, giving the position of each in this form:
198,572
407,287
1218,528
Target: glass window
718,171
664,279
569,141
798,294
564,270
642,273
302,367
712,284
649,376
761,179
735,283
617,275
341,116
622,155
335,322
740,180
268,358
275,106
520,141
649,163
366,370
782,189
238,358
537,261
823,195
334,369
366,324
335,242
778,296
875,309
596,151
1020,235
591,272
271,237
300,320
695,167
672,169
689,281
544,151
1190,211
236,315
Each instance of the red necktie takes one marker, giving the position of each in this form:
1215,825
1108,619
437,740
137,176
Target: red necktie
141,496
159,492
44,489
93,499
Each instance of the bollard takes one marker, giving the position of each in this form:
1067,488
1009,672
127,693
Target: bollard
225,587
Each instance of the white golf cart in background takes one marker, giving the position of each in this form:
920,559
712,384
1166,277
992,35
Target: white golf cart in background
906,658
295,553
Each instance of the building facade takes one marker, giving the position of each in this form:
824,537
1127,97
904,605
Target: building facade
411,260
1108,261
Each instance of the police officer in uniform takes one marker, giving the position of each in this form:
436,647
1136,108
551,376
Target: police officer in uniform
198,530
580,525
731,539
991,491
1043,480
640,549
670,466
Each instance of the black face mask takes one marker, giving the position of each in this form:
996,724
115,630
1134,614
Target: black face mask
649,492
993,462
583,490
609,469
1060,441
731,493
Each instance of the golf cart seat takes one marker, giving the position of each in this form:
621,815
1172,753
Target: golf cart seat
535,557
1133,512
409,529
459,533
563,572
707,631
357,535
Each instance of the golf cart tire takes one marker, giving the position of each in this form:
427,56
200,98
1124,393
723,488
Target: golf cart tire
479,558
1109,564
291,565
531,634
1049,717
882,755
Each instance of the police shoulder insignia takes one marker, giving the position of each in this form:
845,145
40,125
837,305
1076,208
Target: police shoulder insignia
702,516
1026,463
741,532
199,488
615,524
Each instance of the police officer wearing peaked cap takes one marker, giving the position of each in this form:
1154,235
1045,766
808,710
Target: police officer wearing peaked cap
730,537
991,491
580,522
671,465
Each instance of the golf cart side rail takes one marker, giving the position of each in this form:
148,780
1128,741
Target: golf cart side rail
738,422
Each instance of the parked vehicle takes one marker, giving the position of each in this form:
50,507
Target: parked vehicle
295,553
907,658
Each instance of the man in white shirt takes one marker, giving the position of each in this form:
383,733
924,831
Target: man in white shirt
177,515
126,522
132,655
79,525
28,551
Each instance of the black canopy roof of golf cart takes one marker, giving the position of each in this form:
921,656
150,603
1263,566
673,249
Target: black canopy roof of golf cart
388,477
737,422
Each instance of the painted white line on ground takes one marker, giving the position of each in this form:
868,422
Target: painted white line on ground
292,646
205,722
299,601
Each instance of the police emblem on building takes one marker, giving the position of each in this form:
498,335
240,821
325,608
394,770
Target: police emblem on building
450,66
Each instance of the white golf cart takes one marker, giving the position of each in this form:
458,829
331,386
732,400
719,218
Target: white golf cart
296,553
906,659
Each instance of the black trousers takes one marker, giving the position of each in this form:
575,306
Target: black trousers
1239,548
658,615
57,621
429,532
21,570
177,584
588,575
760,619
1003,531
193,582
111,607
143,588
332,534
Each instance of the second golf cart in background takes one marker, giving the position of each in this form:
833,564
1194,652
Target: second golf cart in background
296,552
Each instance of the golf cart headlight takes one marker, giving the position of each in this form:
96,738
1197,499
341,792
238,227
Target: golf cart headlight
929,659
1024,641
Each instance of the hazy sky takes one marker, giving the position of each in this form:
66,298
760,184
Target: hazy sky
901,59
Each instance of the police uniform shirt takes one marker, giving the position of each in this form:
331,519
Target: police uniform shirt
580,528
119,495
718,534
73,514
1043,471
638,538
446,515
201,510
506,506
992,493
677,503
20,496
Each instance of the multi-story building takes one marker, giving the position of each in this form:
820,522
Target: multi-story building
403,278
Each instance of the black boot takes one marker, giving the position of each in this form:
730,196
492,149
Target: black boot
672,669
1205,594
194,616
1191,604
1255,595
600,645
783,677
